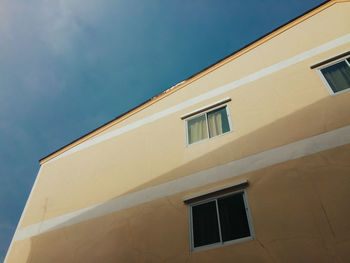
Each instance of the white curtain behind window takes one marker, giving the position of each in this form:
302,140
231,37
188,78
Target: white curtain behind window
215,123
197,129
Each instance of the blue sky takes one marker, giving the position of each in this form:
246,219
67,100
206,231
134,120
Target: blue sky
68,66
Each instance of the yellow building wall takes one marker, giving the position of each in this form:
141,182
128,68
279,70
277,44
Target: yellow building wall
278,109
298,210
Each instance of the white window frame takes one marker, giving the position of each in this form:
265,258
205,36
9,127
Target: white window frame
221,243
206,117
324,80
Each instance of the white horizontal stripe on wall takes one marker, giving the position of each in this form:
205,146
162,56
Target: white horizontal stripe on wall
208,95
23,212
254,162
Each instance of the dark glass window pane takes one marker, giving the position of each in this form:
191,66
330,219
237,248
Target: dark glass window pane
337,76
205,224
218,122
233,217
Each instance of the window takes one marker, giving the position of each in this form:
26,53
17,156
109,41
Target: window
219,221
337,75
207,125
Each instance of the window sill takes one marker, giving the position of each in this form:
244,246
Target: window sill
227,243
339,92
215,191
208,139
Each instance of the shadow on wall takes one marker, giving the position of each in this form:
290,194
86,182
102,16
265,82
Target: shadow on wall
158,231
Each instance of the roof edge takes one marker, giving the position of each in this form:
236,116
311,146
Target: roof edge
200,74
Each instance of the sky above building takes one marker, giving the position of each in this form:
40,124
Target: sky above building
69,66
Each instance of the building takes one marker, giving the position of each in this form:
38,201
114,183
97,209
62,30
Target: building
246,161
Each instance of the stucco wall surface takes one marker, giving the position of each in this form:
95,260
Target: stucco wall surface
299,211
